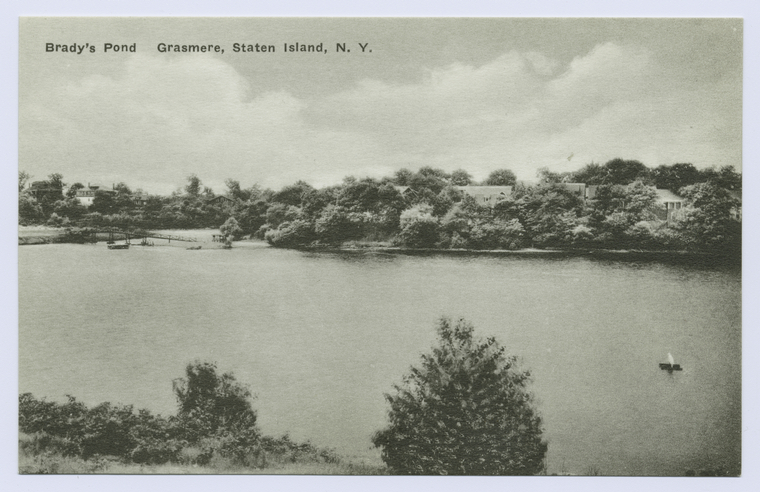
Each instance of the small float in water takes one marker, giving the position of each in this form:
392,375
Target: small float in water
118,246
670,365
193,248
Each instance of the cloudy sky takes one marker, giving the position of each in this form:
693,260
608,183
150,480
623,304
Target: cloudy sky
477,94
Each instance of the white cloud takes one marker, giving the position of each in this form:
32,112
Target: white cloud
164,118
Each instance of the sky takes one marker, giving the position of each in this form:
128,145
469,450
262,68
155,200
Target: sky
474,94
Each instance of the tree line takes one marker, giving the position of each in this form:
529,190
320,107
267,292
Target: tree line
424,209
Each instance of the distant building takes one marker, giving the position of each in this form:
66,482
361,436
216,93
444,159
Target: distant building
486,196
575,188
405,191
579,189
139,198
667,203
40,189
736,212
222,201
86,195
591,192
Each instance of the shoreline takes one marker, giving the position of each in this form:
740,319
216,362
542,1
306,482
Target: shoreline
519,252
48,235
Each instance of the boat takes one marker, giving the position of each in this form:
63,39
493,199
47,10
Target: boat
118,246
670,365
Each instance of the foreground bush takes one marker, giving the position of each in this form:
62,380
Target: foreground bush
215,426
464,411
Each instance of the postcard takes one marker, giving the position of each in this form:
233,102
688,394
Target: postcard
380,246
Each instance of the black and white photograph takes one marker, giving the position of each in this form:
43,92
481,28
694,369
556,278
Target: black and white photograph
380,246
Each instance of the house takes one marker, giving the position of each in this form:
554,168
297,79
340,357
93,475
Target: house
486,196
590,192
736,212
222,201
139,198
667,203
579,189
405,191
40,189
86,195
575,188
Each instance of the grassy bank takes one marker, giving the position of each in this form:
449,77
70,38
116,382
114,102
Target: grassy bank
34,461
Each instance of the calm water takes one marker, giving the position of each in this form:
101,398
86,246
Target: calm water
320,337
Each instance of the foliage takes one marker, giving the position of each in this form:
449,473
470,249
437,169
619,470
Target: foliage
615,172
215,425
193,186
708,220
231,229
464,411
501,177
291,234
460,177
676,176
419,229
23,179
210,404
624,213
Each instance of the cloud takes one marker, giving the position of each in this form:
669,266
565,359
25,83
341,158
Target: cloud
162,118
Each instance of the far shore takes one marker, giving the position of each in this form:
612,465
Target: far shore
32,235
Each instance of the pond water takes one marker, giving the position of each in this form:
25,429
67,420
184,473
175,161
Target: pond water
320,337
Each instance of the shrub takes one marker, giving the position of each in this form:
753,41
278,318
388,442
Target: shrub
336,225
464,411
107,431
291,234
498,234
231,228
210,404
419,229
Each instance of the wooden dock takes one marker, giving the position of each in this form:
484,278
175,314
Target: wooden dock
142,233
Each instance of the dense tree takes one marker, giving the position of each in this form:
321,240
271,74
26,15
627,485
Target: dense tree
251,215
460,177
233,189
419,229
591,174
23,179
293,234
277,213
55,180
623,172
367,209
675,176
430,179
104,203
549,213
29,211
210,403
193,186
464,411
403,177
70,207
293,194
726,177
337,224
501,177
231,229
708,220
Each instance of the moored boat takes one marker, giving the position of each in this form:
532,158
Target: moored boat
670,365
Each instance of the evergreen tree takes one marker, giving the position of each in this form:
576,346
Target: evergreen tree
464,411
